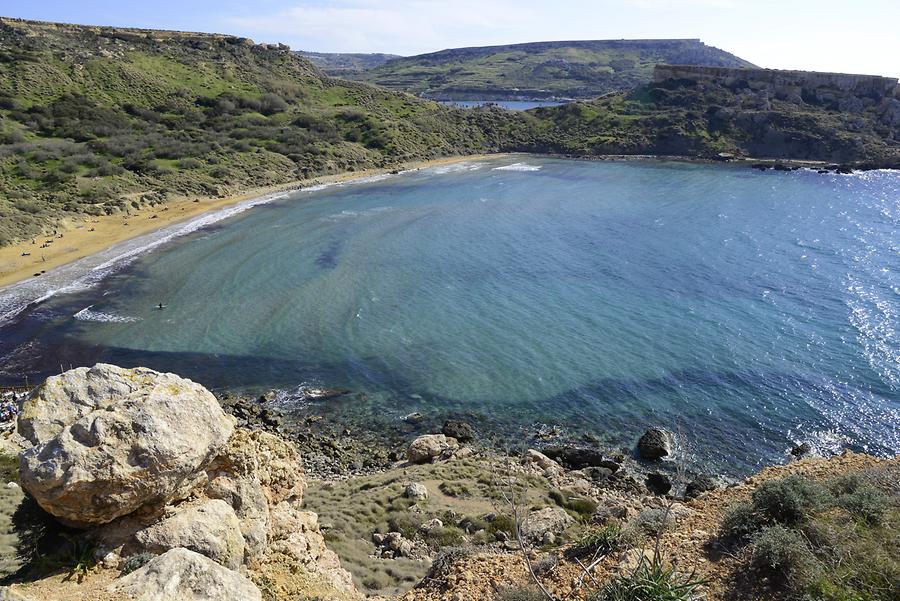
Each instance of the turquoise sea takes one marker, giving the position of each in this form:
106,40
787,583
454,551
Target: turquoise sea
746,310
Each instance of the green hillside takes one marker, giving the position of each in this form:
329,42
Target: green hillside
581,69
93,119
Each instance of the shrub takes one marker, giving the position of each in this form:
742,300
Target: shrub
446,536
603,541
860,498
788,501
782,554
652,581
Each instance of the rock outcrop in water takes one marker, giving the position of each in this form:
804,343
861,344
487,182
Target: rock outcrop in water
148,462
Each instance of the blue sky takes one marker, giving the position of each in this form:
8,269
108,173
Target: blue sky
824,35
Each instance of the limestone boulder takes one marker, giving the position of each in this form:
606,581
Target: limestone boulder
255,471
210,528
415,491
550,520
108,441
295,534
430,446
183,575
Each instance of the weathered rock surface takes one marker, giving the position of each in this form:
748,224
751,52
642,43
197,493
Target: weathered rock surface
210,528
430,446
108,441
415,491
538,524
256,471
580,457
182,575
656,443
295,534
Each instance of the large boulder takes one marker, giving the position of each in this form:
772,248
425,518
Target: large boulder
430,446
108,441
254,472
656,443
182,575
210,528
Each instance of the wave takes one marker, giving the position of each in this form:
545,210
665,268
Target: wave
87,314
518,167
455,168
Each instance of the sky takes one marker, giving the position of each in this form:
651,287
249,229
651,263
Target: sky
823,35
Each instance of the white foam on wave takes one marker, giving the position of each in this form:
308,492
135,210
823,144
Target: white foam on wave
518,167
87,314
455,168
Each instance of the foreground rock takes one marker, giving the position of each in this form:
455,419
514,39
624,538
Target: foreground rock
430,446
210,528
656,443
182,575
108,441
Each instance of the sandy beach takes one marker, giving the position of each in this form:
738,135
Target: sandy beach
76,238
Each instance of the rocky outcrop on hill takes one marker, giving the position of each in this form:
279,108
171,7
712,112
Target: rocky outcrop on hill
148,462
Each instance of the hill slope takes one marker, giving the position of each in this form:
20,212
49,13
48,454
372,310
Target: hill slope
345,64
579,69
93,119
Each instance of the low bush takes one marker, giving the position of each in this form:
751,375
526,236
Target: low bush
787,501
782,554
600,541
519,593
652,580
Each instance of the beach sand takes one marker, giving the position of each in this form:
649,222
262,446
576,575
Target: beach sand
81,237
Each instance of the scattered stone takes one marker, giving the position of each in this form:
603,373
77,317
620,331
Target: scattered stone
430,525
802,450
699,485
532,457
430,446
658,484
416,492
393,545
109,440
414,418
461,431
656,443
579,457
550,519
182,575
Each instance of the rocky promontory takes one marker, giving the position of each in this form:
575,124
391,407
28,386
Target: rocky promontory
138,485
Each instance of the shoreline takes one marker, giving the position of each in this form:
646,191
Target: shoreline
84,236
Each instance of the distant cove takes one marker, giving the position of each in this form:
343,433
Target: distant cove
746,310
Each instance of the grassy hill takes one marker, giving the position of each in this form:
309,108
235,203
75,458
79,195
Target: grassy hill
704,118
345,64
93,119
581,69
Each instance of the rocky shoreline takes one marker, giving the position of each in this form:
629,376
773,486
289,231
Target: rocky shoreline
143,485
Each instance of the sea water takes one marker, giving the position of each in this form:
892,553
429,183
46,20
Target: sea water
746,310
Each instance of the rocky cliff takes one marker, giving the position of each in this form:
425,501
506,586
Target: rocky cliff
164,490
